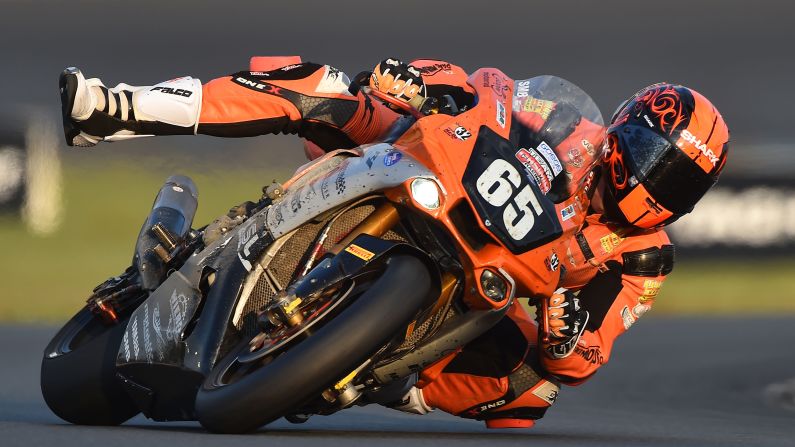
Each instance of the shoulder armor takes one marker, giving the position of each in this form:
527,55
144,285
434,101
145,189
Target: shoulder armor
652,261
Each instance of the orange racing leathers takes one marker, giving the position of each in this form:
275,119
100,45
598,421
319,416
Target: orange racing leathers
315,101
507,379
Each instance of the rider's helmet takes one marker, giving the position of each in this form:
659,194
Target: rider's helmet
666,146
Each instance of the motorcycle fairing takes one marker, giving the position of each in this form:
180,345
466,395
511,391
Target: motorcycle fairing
164,335
380,167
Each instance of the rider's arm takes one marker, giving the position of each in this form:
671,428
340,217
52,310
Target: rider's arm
311,100
614,301
626,275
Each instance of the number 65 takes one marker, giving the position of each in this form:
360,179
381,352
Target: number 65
498,185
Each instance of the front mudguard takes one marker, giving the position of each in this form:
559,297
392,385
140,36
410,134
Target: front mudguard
363,254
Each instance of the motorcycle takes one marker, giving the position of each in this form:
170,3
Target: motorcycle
343,283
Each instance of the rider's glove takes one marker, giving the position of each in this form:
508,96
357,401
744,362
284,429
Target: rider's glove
398,85
561,323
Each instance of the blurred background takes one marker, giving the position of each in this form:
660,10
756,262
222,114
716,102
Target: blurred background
69,217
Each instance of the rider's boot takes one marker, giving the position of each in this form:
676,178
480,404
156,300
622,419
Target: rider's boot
93,113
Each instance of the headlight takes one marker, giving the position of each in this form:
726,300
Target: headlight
425,192
493,286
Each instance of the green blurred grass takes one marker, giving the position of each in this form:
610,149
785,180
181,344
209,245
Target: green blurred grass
48,278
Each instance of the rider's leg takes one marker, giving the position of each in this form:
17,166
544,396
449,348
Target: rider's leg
94,113
496,378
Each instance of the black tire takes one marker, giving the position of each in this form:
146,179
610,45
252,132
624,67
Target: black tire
78,373
313,365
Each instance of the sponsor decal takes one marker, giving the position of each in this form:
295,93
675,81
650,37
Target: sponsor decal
523,89
247,236
290,67
591,354
339,182
575,157
324,189
552,263
552,159
360,252
459,132
492,405
651,287
627,317
640,309
547,391
696,142
648,120
392,158
258,86
172,91
370,160
589,148
611,241
537,167
433,69
542,107
497,83
567,213
501,114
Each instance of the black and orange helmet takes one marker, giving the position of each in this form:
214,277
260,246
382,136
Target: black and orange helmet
667,144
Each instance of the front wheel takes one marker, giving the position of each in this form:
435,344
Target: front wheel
301,373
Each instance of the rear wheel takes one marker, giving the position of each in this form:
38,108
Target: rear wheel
78,373
238,398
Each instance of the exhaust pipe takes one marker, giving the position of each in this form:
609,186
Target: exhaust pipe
167,225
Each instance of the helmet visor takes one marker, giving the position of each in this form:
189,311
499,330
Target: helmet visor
670,176
643,148
677,182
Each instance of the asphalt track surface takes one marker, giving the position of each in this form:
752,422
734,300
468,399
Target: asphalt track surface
672,382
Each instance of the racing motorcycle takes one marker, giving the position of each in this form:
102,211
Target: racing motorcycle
343,283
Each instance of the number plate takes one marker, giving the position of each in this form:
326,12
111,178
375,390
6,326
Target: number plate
507,200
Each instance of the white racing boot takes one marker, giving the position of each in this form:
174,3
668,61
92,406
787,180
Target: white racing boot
93,113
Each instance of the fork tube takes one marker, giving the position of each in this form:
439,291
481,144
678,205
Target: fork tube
376,224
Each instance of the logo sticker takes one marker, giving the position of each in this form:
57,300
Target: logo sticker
627,317
640,309
392,158
459,132
547,392
696,142
360,252
553,262
611,241
539,106
651,287
567,213
537,168
551,158
501,114
523,89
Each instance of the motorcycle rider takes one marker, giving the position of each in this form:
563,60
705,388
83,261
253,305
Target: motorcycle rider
666,146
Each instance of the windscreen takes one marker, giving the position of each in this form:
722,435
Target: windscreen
559,133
